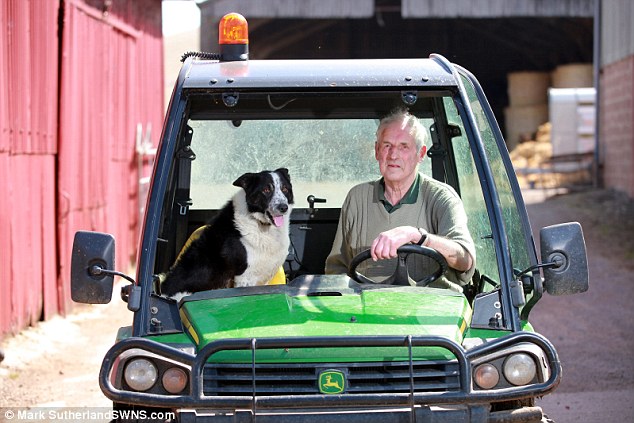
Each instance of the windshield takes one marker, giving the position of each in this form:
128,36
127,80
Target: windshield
325,157
327,144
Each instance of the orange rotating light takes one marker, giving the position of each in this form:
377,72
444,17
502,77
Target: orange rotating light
233,37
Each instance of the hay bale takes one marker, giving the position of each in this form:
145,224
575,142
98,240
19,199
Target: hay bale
574,75
530,156
528,88
522,122
543,133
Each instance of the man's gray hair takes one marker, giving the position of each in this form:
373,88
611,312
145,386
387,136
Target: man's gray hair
411,122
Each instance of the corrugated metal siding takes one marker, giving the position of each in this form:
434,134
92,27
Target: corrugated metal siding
31,27
104,95
6,314
409,8
28,143
4,97
5,227
291,8
617,31
495,8
72,168
33,278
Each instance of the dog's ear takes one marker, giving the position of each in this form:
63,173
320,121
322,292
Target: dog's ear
244,180
285,173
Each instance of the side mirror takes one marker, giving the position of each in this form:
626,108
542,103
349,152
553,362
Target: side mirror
564,248
93,254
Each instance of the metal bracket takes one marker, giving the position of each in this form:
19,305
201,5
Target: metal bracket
409,97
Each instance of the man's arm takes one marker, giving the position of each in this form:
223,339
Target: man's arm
385,245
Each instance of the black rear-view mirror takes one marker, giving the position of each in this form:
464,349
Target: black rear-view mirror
564,248
93,252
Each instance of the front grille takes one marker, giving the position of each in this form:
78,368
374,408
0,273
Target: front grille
301,379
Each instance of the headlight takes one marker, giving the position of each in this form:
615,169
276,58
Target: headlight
486,376
174,380
519,369
140,374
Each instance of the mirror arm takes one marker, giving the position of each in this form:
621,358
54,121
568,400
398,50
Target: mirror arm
532,285
551,264
96,270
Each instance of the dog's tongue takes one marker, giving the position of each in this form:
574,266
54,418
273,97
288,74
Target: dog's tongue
278,220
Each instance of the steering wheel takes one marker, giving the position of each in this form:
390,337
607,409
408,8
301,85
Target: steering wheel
401,274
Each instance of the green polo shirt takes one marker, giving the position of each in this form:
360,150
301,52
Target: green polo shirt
410,197
438,209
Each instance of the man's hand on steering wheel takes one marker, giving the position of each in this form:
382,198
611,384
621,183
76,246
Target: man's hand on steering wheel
386,244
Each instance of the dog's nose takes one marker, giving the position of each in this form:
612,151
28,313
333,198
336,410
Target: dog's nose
283,208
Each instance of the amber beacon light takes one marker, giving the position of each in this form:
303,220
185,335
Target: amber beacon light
233,37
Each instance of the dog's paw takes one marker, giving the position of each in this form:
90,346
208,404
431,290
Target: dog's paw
178,296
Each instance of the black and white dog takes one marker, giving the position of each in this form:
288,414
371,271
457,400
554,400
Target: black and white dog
244,245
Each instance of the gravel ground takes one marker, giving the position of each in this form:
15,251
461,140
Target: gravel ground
56,363
591,331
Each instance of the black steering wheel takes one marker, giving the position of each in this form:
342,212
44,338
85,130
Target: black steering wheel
401,274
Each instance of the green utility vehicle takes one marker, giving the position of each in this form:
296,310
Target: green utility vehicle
330,347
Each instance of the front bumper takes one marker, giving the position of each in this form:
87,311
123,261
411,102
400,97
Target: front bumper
465,403
463,414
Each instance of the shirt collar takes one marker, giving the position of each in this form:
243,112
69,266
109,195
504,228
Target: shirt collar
410,197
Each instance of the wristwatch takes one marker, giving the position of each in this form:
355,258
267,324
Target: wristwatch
423,236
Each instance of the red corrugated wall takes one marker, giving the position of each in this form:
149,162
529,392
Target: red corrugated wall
69,110
28,147
110,64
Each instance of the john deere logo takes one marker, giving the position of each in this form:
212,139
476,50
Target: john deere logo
332,382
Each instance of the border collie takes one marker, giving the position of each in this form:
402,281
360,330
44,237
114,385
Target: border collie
244,245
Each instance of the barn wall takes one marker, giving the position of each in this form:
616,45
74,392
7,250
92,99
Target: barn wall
111,65
495,8
78,78
28,147
617,125
616,141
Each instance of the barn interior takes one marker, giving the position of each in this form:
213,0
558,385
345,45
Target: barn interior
554,40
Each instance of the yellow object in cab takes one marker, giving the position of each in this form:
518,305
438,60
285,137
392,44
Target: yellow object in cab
279,278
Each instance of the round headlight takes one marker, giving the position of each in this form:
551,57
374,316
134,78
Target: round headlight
140,374
520,369
174,380
486,376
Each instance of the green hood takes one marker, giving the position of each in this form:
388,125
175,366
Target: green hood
288,312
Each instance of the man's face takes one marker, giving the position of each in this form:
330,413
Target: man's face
397,154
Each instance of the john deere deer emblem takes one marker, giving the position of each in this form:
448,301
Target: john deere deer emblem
332,382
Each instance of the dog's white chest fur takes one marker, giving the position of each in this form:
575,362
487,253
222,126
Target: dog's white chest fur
266,245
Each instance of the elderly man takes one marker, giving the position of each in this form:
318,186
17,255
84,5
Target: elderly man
403,207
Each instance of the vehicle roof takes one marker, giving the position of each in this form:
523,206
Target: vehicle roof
333,73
